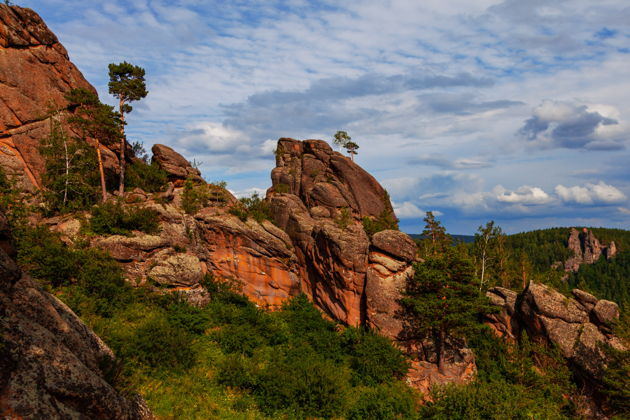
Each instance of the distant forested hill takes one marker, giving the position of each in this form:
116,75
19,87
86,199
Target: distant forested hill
607,279
467,239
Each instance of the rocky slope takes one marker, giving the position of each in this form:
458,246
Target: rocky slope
35,74
52,366
578,326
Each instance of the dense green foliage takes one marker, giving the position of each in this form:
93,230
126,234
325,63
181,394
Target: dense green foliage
386,220
148,177
112,218
606,279
254,207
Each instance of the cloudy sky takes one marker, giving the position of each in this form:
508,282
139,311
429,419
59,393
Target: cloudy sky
516,110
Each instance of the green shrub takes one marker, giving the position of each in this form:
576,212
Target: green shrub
237,371
112,218
46,257
281,188
187,317
298,381
255,207
386,401
161,344
386,220
194,197
148,177
374,360
344,218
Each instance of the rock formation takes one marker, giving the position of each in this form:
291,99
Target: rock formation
174,164
52,366
35,74
319,197
577,326
586,249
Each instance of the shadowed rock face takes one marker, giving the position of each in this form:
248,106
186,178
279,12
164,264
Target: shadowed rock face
51,364
35,74
578,326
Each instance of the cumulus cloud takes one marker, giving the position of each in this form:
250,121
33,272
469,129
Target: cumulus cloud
557,124
524,195
600,193
407,210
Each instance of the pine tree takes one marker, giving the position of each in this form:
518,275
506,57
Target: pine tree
342,139
442,300
435,239
126,82
95,121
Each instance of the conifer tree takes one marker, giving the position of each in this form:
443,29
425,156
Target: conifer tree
95,121
342,139
435,239
127,84
441,300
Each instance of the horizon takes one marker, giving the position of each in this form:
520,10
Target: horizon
509,111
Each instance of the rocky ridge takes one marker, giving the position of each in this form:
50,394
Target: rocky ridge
578,326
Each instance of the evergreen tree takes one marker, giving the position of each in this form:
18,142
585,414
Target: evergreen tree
342,139
70,172
441,300
435,240
126,82
95,121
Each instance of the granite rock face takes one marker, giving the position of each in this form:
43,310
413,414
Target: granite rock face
52,365
577,326
35,74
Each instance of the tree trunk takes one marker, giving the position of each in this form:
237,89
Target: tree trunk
101,171
123,144
441,338
65,189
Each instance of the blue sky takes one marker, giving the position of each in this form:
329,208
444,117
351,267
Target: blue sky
515,111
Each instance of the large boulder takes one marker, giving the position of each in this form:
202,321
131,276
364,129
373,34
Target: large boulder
174,164
52,366
35,74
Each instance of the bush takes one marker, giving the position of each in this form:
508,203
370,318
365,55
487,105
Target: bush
255,207
298,381
374,360
148,177
387,401
194,197
159,343
344,218
237,371
112,218
386,220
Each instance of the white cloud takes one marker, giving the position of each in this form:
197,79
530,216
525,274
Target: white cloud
600,193
408,210
525,195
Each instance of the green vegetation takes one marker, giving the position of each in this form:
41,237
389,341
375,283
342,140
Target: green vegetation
253,207
344,218
112,218
342,139
71,178
386,220
148,177
127,84
228,359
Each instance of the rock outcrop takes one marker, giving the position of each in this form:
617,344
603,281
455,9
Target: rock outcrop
174,164
578,326
586,249
52,366
35,74
319,197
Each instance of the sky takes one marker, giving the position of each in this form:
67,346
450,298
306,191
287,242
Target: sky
516,111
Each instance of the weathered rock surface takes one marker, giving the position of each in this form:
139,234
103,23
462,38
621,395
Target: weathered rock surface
51,364
586,249
35,74
577,326
318,197
175,165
